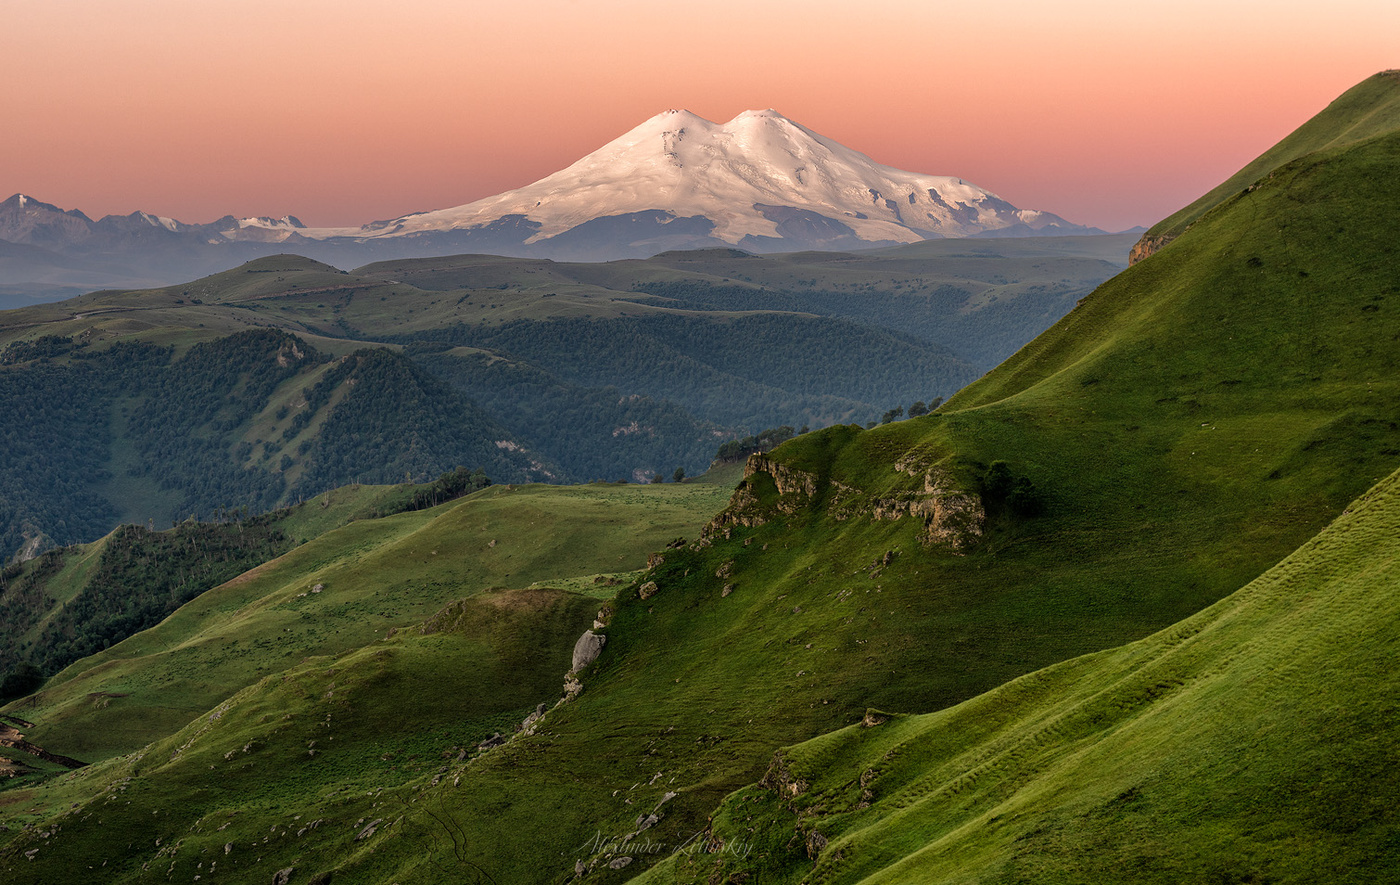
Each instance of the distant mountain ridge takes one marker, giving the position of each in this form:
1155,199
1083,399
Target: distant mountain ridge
760,182
27,221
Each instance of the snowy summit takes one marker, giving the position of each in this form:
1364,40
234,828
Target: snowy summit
760,181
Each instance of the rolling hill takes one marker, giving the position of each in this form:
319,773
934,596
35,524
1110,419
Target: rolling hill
1196,421
279,379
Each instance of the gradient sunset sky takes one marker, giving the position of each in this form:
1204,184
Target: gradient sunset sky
346,111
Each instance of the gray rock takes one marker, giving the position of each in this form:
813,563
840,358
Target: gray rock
587,649
618,863
369,829
282,877
647,590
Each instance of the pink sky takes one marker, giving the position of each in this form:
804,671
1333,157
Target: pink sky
347,111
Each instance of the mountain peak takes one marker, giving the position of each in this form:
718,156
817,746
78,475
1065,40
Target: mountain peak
20,201
765,113
761,182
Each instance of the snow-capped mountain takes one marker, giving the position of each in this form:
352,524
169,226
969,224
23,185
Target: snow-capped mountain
759,182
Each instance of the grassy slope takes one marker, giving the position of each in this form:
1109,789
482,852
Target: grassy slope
1253,742
377,575
296,765
78,563
1155,422
1191,423
1367,109
1194,421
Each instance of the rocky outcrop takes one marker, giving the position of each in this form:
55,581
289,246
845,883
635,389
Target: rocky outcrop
953,518
530,723
796,489
1148,246
34,543
789,480
780,780
587,649
743,510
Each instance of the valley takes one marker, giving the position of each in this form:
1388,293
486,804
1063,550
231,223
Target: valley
269,383
1122,606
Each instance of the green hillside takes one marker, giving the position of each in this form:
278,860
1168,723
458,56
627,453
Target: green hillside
1174,460
101,433
1370,108
375,576
264,384
71,602
1253,742
1183,430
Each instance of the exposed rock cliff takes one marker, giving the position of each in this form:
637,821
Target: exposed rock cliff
952,516
1148,245
796,489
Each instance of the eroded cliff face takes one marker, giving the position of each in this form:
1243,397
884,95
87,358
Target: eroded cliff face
796,489
952,517
1148,246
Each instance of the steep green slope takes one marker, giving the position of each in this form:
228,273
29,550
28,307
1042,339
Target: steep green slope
1188,426
1253,742
1370,108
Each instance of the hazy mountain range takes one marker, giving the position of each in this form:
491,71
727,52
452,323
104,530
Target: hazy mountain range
760,182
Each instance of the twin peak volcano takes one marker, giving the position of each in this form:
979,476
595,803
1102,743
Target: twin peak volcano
761,182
